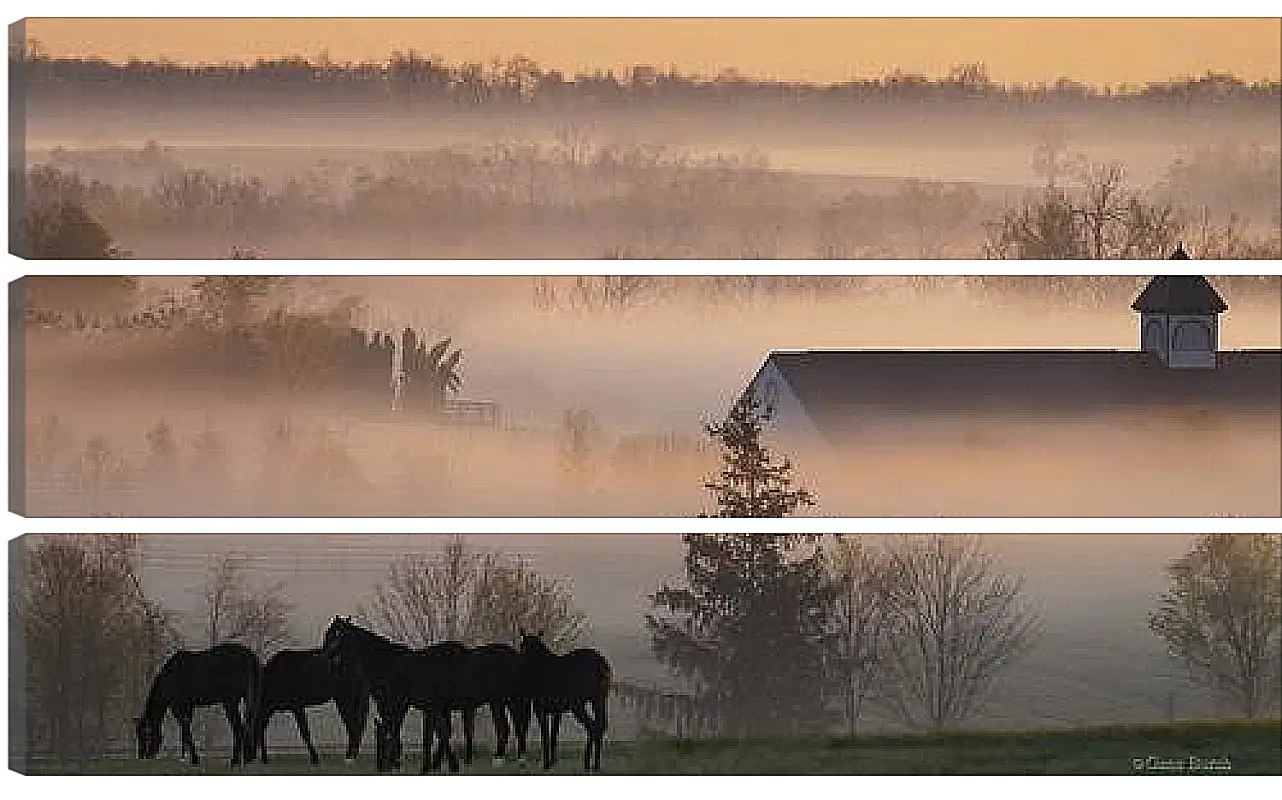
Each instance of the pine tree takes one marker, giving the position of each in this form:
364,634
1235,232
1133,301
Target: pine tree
750,627
752,482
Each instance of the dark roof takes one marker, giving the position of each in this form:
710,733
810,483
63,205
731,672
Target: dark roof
1180,294
835,386
1180,254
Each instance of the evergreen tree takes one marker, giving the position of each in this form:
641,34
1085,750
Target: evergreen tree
752,482
749,629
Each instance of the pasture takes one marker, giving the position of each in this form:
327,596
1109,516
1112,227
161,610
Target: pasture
1247,748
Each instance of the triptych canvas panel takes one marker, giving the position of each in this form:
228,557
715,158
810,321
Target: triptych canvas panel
830,391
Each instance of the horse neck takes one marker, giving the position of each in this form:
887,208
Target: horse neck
157,699
542,659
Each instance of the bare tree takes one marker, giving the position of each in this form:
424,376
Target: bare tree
92,641
1222,616
957,623
861,618
235,610
474,597
1100,219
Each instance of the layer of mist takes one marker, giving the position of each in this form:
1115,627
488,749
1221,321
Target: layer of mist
648,375
389,166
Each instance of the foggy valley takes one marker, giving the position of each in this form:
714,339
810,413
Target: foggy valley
416,158
597,390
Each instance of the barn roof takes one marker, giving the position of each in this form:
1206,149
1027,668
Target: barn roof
1180,294
837,387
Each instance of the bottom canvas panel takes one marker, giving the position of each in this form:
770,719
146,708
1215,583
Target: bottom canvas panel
648,654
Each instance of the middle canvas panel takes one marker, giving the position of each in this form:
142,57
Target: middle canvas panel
647,396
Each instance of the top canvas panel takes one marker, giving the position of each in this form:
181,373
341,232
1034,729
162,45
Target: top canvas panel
645,138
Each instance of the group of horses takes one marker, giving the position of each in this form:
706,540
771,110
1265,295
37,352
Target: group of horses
354,665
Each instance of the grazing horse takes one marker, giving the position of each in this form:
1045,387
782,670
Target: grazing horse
401,678
296,679
225,673
571,682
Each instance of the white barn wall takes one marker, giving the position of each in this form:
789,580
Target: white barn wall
789,424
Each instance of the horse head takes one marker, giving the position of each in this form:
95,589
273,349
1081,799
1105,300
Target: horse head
335,635
532,644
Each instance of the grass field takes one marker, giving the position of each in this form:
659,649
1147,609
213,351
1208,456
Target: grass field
1240,748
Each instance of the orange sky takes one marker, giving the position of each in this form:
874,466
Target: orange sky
1098,51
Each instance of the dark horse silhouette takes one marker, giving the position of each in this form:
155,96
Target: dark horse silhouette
401,678
296,679
226,674
495,679
491,676
570,682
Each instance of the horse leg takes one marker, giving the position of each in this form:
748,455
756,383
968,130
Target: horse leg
580,712
189,744
430,727
300,717
232,709
260,735
599,717
520,710
354,730
545,737
354,716
556,732
438,722
469,728
444,734
498,713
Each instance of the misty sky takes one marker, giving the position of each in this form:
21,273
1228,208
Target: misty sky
1098,51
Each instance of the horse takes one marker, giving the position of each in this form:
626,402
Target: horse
401,678
570,682
296,679
226,674
495,679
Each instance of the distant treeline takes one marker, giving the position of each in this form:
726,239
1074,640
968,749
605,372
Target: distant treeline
621,201
517,80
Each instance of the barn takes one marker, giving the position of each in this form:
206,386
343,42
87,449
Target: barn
827,395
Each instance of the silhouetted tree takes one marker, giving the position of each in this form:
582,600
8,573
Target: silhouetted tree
957,622
861,622
234,609
752,481
91,638
750,626
228,302
1102,219
62,230
749,629
1222,616
474,597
